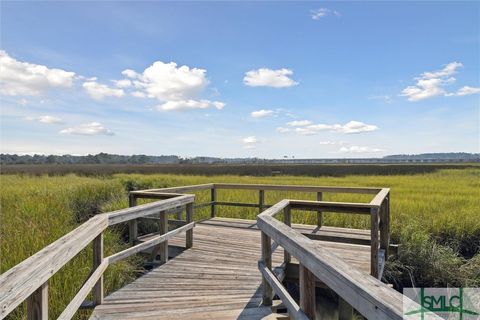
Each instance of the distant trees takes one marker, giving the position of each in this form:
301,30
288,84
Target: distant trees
101,158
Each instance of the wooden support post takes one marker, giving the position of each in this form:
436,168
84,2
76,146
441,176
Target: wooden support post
287,219
385,225
374,216
213,199
132,224
163,247
307,292
97,260
261,200
345,310
267,258
37,303
319,212
189,218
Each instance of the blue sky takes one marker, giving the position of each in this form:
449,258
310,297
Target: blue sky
240,79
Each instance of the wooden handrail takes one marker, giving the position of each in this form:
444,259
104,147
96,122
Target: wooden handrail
20,282
369,296
298,188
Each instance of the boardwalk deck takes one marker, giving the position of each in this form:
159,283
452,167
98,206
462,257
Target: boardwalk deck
218,277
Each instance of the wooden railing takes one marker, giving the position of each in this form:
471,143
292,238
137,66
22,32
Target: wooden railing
358,290
29,279
378,209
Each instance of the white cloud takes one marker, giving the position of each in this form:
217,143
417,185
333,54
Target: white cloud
465,91
305,127
123,83
176,87
89,129
99,91
190,104
264,77
27,79
431,84
283,130
249,142
332,143
299,123
46,119
359,149
261,113
320,13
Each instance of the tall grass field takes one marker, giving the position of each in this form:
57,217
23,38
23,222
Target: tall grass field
435,217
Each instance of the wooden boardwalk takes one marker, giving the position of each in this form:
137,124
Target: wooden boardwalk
218,277
223,268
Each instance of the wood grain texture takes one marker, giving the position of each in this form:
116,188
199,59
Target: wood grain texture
37,304
307,291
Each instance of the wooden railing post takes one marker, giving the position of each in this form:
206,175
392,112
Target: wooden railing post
345,310
261,200
189,218
319,212
37,303
307,292
385,225
213,199
287,219
132,224
374,216
267,259
97,261
163,247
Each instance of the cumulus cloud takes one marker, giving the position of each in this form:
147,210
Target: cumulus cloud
99,91
46,119
123,83
262,113
19,78
320,13
176,87
190,104
359,149
305,127
249,142
299,123
431,84
88,129
265,77
465,91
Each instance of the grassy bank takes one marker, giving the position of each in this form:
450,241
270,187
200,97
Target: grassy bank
435,216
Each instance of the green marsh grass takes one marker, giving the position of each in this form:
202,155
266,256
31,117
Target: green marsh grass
435,216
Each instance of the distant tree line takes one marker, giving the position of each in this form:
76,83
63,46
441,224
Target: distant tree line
101,158
105,158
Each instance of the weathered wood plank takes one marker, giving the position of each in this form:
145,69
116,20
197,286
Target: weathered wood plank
91,282
378,199
261,200
189,217
147,209
319,212
148,244
213,198
299,188
307,292
267,260
374,216
97,261
37,304
369,296
22,280
341,207
293,308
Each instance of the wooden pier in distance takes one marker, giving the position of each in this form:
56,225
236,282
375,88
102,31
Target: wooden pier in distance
221,268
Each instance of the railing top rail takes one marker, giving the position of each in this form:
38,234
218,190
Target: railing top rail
381,195
369,296
19,282
126,214
180,189
296,188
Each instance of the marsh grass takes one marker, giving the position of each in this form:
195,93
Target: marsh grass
435,217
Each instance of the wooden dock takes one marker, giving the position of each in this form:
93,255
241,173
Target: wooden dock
217,278
221,268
